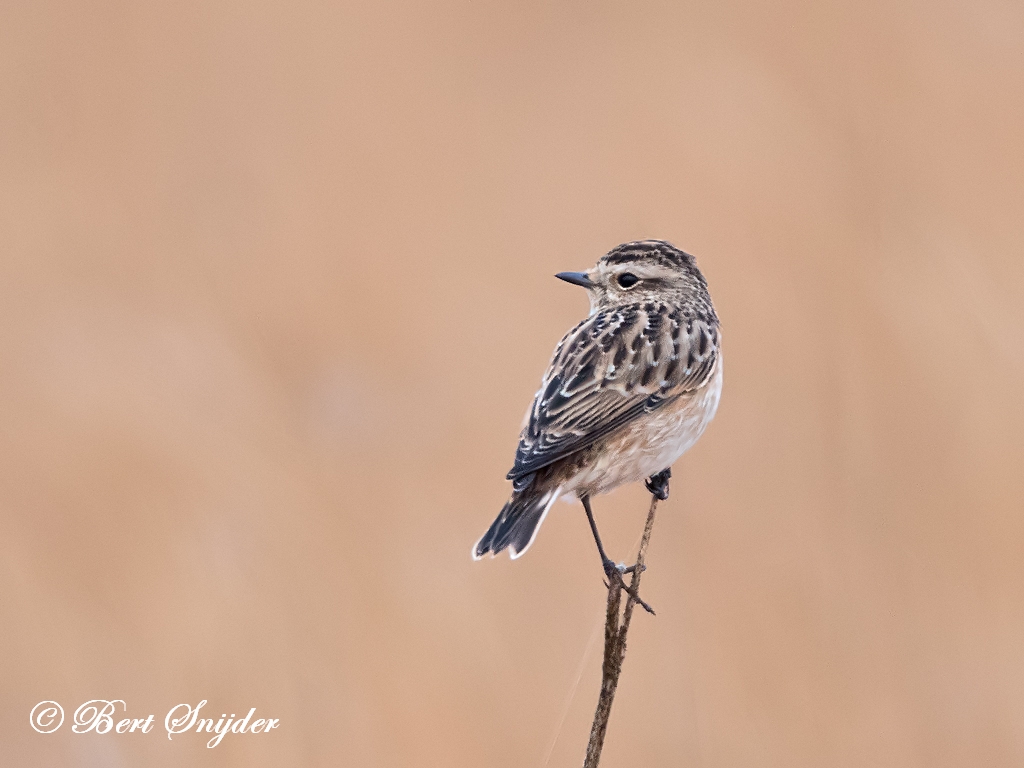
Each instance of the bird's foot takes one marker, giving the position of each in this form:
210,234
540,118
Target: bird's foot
613,571
658,484
620,568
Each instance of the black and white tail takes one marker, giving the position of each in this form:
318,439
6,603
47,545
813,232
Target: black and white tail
517,524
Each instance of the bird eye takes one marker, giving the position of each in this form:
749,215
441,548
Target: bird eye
628,279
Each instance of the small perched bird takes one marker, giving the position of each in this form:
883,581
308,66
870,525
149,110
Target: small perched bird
627,392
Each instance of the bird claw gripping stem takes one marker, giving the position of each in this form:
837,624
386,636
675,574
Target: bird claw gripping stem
613,571
658,484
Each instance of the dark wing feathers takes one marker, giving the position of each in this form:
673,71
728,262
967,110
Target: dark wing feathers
607,371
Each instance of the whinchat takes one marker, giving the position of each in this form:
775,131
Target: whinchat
627,392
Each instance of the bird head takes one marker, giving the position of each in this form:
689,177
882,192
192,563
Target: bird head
641,272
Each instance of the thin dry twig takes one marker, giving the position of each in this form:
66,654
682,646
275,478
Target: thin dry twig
615,643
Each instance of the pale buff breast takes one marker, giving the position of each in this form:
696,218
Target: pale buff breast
650,444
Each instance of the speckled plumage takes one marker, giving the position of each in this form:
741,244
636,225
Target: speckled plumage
627,392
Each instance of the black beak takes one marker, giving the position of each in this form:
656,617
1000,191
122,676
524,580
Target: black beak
576,278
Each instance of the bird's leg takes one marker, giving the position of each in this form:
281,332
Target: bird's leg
658,484
611,570
606,562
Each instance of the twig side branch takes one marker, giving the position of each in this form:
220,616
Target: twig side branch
615,630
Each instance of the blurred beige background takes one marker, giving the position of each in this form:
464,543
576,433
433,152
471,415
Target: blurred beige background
276,290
